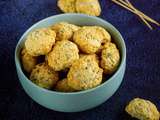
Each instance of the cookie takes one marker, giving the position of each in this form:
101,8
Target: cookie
40,41
89,38
94,56
62,56
67,6
64,30
62,86
110,58
90,7
106,35
142,109
84,73
28,61
44,76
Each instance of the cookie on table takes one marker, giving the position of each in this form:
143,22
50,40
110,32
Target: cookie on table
67,6
62,86
110,58
62,56
44,76
90,7
40,41
84,73
64,30
28,61
142,109
90,38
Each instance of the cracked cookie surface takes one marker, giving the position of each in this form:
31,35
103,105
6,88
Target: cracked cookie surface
84,73
44,76
62,56
40,41
142,109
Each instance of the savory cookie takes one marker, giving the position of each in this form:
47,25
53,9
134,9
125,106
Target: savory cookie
94,56
142,109
110,58
28,61
84,73
90,38
64,30
62,86
67,6
90,7
105,34
40,41
62,56
44,76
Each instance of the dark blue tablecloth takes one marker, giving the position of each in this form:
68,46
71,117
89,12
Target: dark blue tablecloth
142,78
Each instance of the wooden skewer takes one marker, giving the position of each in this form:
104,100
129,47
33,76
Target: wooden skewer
132,7
149,19
150,27
123,6
129,3
145,16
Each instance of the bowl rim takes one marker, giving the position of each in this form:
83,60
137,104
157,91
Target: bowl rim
123,56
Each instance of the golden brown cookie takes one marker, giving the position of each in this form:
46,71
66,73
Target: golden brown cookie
106,35
89,38
67,6
40,41
63,55
44,76
142,110
84,73
90,7
94,56
62,86
64,30
110,58
28,61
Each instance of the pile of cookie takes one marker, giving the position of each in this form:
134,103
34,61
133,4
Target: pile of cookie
89,7
84,53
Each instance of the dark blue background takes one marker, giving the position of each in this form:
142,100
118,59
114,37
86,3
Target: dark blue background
142,78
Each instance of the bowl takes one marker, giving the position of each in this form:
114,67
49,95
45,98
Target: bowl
74,101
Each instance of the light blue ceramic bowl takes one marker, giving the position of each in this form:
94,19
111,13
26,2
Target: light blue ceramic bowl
76,101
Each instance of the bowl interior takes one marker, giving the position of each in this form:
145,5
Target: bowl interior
77,19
